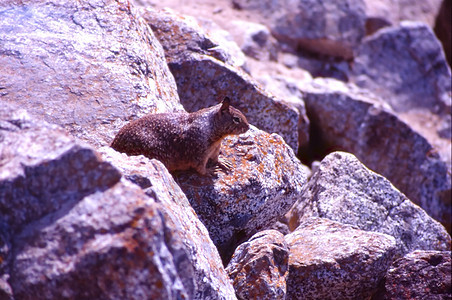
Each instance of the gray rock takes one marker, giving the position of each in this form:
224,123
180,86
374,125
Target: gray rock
329,260
346,118
259,267
419,275
265,181
344,190
43,168
255,40
326,27
204,80
408,61
86,66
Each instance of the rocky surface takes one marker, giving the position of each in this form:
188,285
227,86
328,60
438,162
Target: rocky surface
265,182
79,220
419,275
344,190
267,255
89,67
330,260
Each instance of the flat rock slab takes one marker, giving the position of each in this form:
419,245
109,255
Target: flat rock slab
88,66
329,260
265,180
344,190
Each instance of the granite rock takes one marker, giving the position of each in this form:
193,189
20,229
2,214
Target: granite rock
87,66
345,191
259,267
265,180
330,260
419,275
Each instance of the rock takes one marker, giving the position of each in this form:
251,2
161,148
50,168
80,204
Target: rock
443,28
265,181
181,35
255,40
419,275
345,191
394,11
88,67
204,80
325,27
42,168
329,260
345,118
409,62
259,267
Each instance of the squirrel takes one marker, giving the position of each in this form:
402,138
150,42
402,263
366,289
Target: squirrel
183,140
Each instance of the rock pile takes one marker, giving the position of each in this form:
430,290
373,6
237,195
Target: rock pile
340,190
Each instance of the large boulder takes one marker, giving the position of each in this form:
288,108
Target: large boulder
87,67
344,190
330,260
265,181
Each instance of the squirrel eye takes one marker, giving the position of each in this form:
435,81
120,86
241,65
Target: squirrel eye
236,120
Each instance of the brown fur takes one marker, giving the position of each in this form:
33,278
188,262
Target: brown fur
182,140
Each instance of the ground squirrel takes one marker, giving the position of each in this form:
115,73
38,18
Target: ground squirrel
182,140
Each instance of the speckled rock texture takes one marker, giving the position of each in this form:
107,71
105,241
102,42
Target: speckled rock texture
419,275
266,179
349,119
43,167
344,190
86,65
73,229
204,78
259,267
327,27
330,260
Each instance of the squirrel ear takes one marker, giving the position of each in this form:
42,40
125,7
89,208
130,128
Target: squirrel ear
225,104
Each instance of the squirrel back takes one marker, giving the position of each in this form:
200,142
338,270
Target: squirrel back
182,140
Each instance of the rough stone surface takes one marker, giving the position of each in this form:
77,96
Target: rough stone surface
406,66
345,118
344,190
326,27
204,80
265,181
259,267
42,167
408,61
329,260
88,66
419,275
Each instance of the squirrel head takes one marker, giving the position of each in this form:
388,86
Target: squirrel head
230,119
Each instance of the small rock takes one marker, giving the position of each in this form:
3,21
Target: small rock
265,181
419,275
259,267
329,260
344,190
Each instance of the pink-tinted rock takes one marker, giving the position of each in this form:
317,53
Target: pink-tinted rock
87,66
329,260
419,275
259,267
